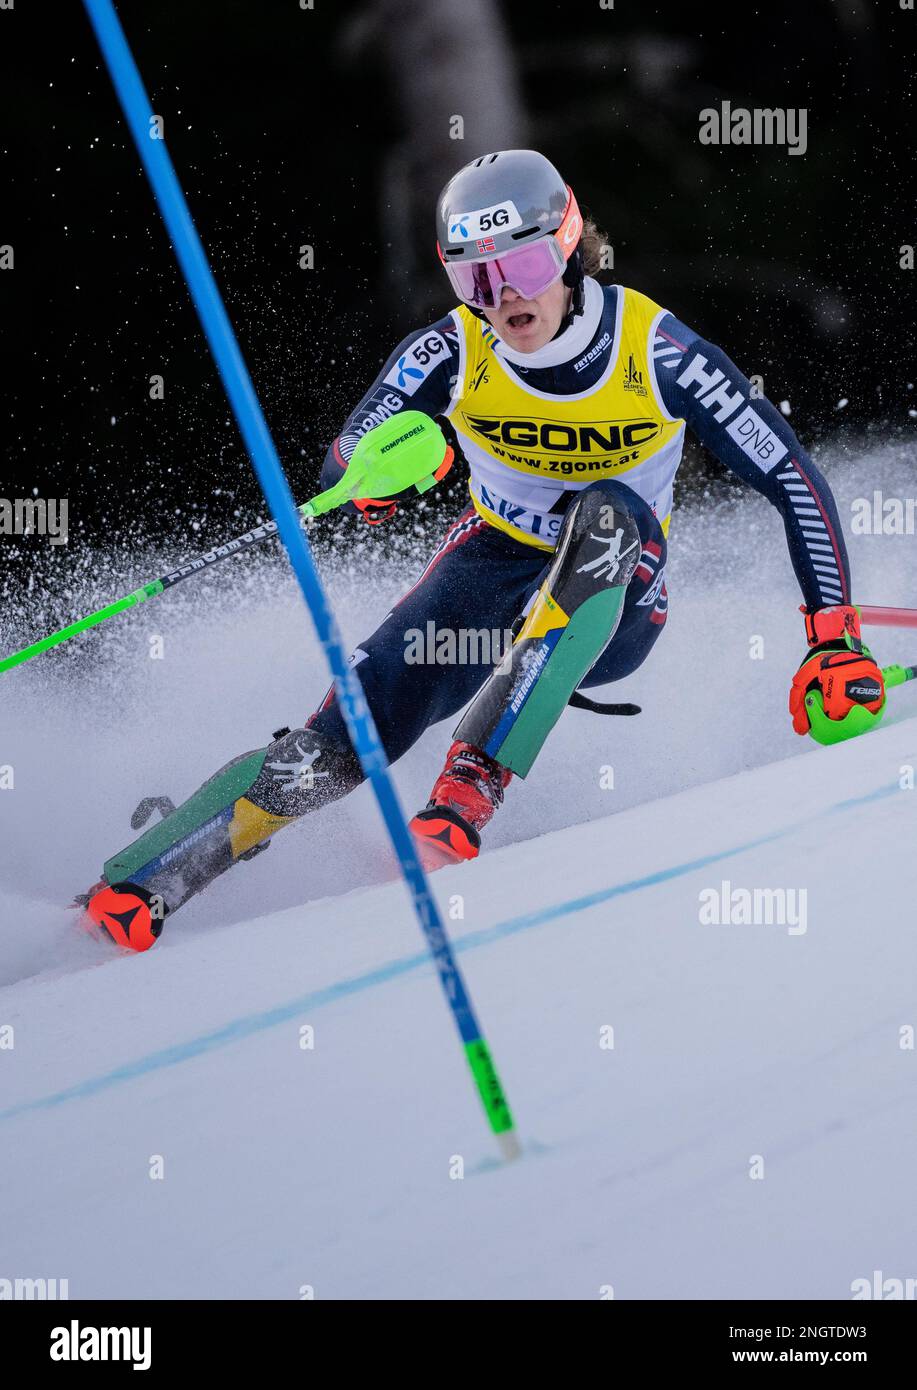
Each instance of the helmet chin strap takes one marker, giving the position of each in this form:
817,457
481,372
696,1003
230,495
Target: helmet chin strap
575,279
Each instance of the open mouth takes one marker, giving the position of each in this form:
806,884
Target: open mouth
520,320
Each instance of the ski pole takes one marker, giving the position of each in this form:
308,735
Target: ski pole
408,450
897,675
888,617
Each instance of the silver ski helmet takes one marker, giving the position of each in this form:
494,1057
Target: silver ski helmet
506,219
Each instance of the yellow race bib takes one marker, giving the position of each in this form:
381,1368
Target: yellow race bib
526,448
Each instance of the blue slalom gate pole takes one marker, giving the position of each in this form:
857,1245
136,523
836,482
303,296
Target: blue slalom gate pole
249,416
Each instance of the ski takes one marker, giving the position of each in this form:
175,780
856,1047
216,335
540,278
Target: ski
230,818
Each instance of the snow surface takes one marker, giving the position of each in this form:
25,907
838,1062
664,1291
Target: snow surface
331,1167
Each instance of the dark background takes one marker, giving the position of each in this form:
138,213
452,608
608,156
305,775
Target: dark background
331,127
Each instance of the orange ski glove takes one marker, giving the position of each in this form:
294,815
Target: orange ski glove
838,691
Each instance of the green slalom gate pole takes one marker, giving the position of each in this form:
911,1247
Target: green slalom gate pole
249,416
409,450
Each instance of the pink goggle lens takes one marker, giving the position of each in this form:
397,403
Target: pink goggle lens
529,271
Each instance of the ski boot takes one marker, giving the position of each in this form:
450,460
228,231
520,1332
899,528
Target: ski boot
467,792
123,913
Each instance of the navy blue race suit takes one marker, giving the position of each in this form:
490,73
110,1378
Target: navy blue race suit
480,577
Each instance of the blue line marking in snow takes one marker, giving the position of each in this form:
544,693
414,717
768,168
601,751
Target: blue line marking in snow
251,1024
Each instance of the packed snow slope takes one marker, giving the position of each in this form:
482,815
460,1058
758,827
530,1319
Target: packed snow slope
333,1166
752,1131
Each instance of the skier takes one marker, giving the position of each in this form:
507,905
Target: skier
568,403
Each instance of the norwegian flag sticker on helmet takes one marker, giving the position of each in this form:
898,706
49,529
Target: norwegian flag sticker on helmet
486,244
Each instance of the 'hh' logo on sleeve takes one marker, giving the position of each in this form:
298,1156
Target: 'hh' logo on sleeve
715,392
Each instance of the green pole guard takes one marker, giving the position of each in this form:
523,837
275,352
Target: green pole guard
404,451
859,720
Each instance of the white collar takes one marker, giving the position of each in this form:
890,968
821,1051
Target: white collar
574,340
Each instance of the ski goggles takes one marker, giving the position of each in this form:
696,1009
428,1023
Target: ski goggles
529,270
